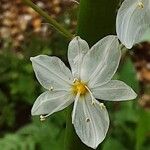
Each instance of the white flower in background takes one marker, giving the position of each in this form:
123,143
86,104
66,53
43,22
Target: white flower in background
92,70
133,21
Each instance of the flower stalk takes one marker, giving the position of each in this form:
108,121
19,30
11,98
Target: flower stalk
57,26
96,19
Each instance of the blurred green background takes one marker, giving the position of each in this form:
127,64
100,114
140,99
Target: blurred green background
24,34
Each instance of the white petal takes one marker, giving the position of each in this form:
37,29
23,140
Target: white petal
52,72
76,51
50,102
101,62
133,21
91,122
114,90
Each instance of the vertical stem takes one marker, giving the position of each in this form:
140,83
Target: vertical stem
96,19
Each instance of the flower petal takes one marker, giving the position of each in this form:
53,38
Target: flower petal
91,122
101,62
76,51
50,102
114,90
133,20
52,72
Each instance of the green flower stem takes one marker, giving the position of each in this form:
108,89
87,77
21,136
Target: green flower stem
96,19
50,20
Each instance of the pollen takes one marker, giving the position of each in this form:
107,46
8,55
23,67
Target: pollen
79,87
140,5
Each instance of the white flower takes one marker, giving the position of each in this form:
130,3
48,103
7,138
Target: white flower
92,70
133,21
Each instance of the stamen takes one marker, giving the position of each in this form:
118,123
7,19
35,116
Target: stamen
140,5
102,106
74,80
51,88
78,86
93,99
75,106
93,102
43,117
87,120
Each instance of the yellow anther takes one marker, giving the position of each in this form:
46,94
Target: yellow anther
140,5
79,87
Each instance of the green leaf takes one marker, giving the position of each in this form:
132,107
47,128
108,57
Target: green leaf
143,128
127,73
112,143
126,113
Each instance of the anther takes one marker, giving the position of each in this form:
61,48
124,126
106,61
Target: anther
87,120
140,5
93,102
42,118
74,80
102,106
51,88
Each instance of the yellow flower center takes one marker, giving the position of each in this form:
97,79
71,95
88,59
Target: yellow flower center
79,87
